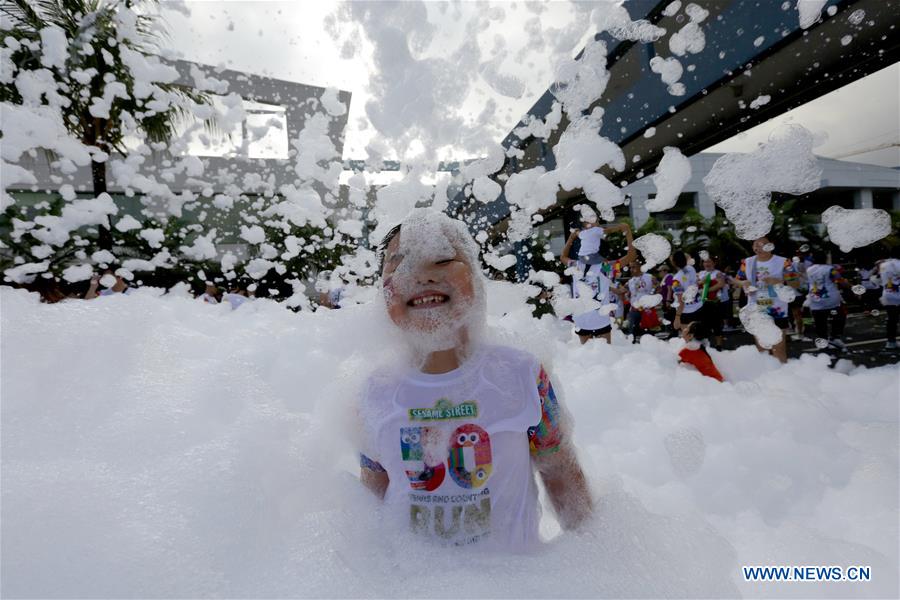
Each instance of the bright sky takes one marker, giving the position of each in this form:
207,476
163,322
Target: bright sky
458,93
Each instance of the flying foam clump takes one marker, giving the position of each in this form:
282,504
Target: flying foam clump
654,248
850,228
742,184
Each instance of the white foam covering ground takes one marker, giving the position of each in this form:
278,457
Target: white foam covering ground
162,447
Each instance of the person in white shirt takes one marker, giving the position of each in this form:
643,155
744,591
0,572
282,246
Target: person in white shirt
452,442
714,293
210,295
639,286
760,276
237,297
118,287
592,234
686,291
889,274
824,281
595,323
330,288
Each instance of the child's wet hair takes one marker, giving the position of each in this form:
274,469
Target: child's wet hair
698,330
385,242
680,259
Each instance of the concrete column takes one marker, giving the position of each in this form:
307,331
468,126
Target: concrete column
862,198
705,204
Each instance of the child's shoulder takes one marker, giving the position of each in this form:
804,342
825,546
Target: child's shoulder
507,354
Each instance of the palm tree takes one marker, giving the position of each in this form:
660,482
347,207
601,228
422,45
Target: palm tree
94,57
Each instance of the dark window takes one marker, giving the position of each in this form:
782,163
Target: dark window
884,199
673,216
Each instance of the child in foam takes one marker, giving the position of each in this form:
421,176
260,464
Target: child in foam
686,290
451,443
824,281
599,275
714,293
695,334
889,273
591,235
760,275
112,282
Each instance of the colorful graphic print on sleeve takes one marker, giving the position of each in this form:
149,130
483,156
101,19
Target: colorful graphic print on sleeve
546,437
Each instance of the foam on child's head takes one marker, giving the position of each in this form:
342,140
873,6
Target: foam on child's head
426,237
587,214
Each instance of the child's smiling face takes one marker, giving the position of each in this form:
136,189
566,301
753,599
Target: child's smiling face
426,294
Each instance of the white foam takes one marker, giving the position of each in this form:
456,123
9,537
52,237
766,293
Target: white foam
850,228
241,459
742,183
672,174
654,248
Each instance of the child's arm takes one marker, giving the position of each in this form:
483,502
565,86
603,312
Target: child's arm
566,486
615,228
373,476
564,256
556,461
630,253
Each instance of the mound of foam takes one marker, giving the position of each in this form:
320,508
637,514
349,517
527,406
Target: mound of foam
160,446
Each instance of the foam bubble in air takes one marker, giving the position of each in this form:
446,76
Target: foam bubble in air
654,248
850,228
672,174
742,184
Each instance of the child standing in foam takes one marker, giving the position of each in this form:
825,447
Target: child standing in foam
452,442
760,276
639,286
592,234
714,294
595,323
889,271
824,299
685,290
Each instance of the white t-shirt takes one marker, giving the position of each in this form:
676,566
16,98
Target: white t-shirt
685,282
823,291
112,292
590,241
865,276
640,286
457,447
890,282
765,296
714,275
599,284
235,300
